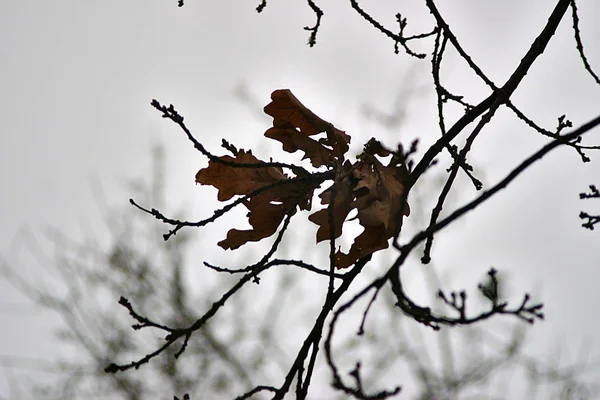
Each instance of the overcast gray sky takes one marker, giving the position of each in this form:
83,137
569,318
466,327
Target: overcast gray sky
77,79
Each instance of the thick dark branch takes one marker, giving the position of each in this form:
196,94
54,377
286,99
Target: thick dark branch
338,383
564,139
423,314
316,332
502,95
447,32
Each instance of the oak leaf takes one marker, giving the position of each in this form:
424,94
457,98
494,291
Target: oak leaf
378,194
341,207
267,208
231,180
293,124
375,190
372,239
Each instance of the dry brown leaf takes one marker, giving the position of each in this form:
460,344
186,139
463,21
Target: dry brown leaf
231,181
378,194
268,208
372,239
293,124
264,218
376,191
341,208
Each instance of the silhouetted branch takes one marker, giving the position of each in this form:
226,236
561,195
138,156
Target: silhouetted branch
312,39
315,178
256,390
499,186
261,6
594,193
457,301
577,34
297,263
399,38
591,219
303,366
338,383
173,115
174,334
314,337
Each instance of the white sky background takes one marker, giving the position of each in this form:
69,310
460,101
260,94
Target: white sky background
76,80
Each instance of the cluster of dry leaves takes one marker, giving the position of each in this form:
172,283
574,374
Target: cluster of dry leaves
375,190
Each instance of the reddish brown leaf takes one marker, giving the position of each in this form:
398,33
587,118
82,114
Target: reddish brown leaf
378,194
268,208
293,140
231,181
264,218
372,239
342,207
293,123
376,191
343,201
